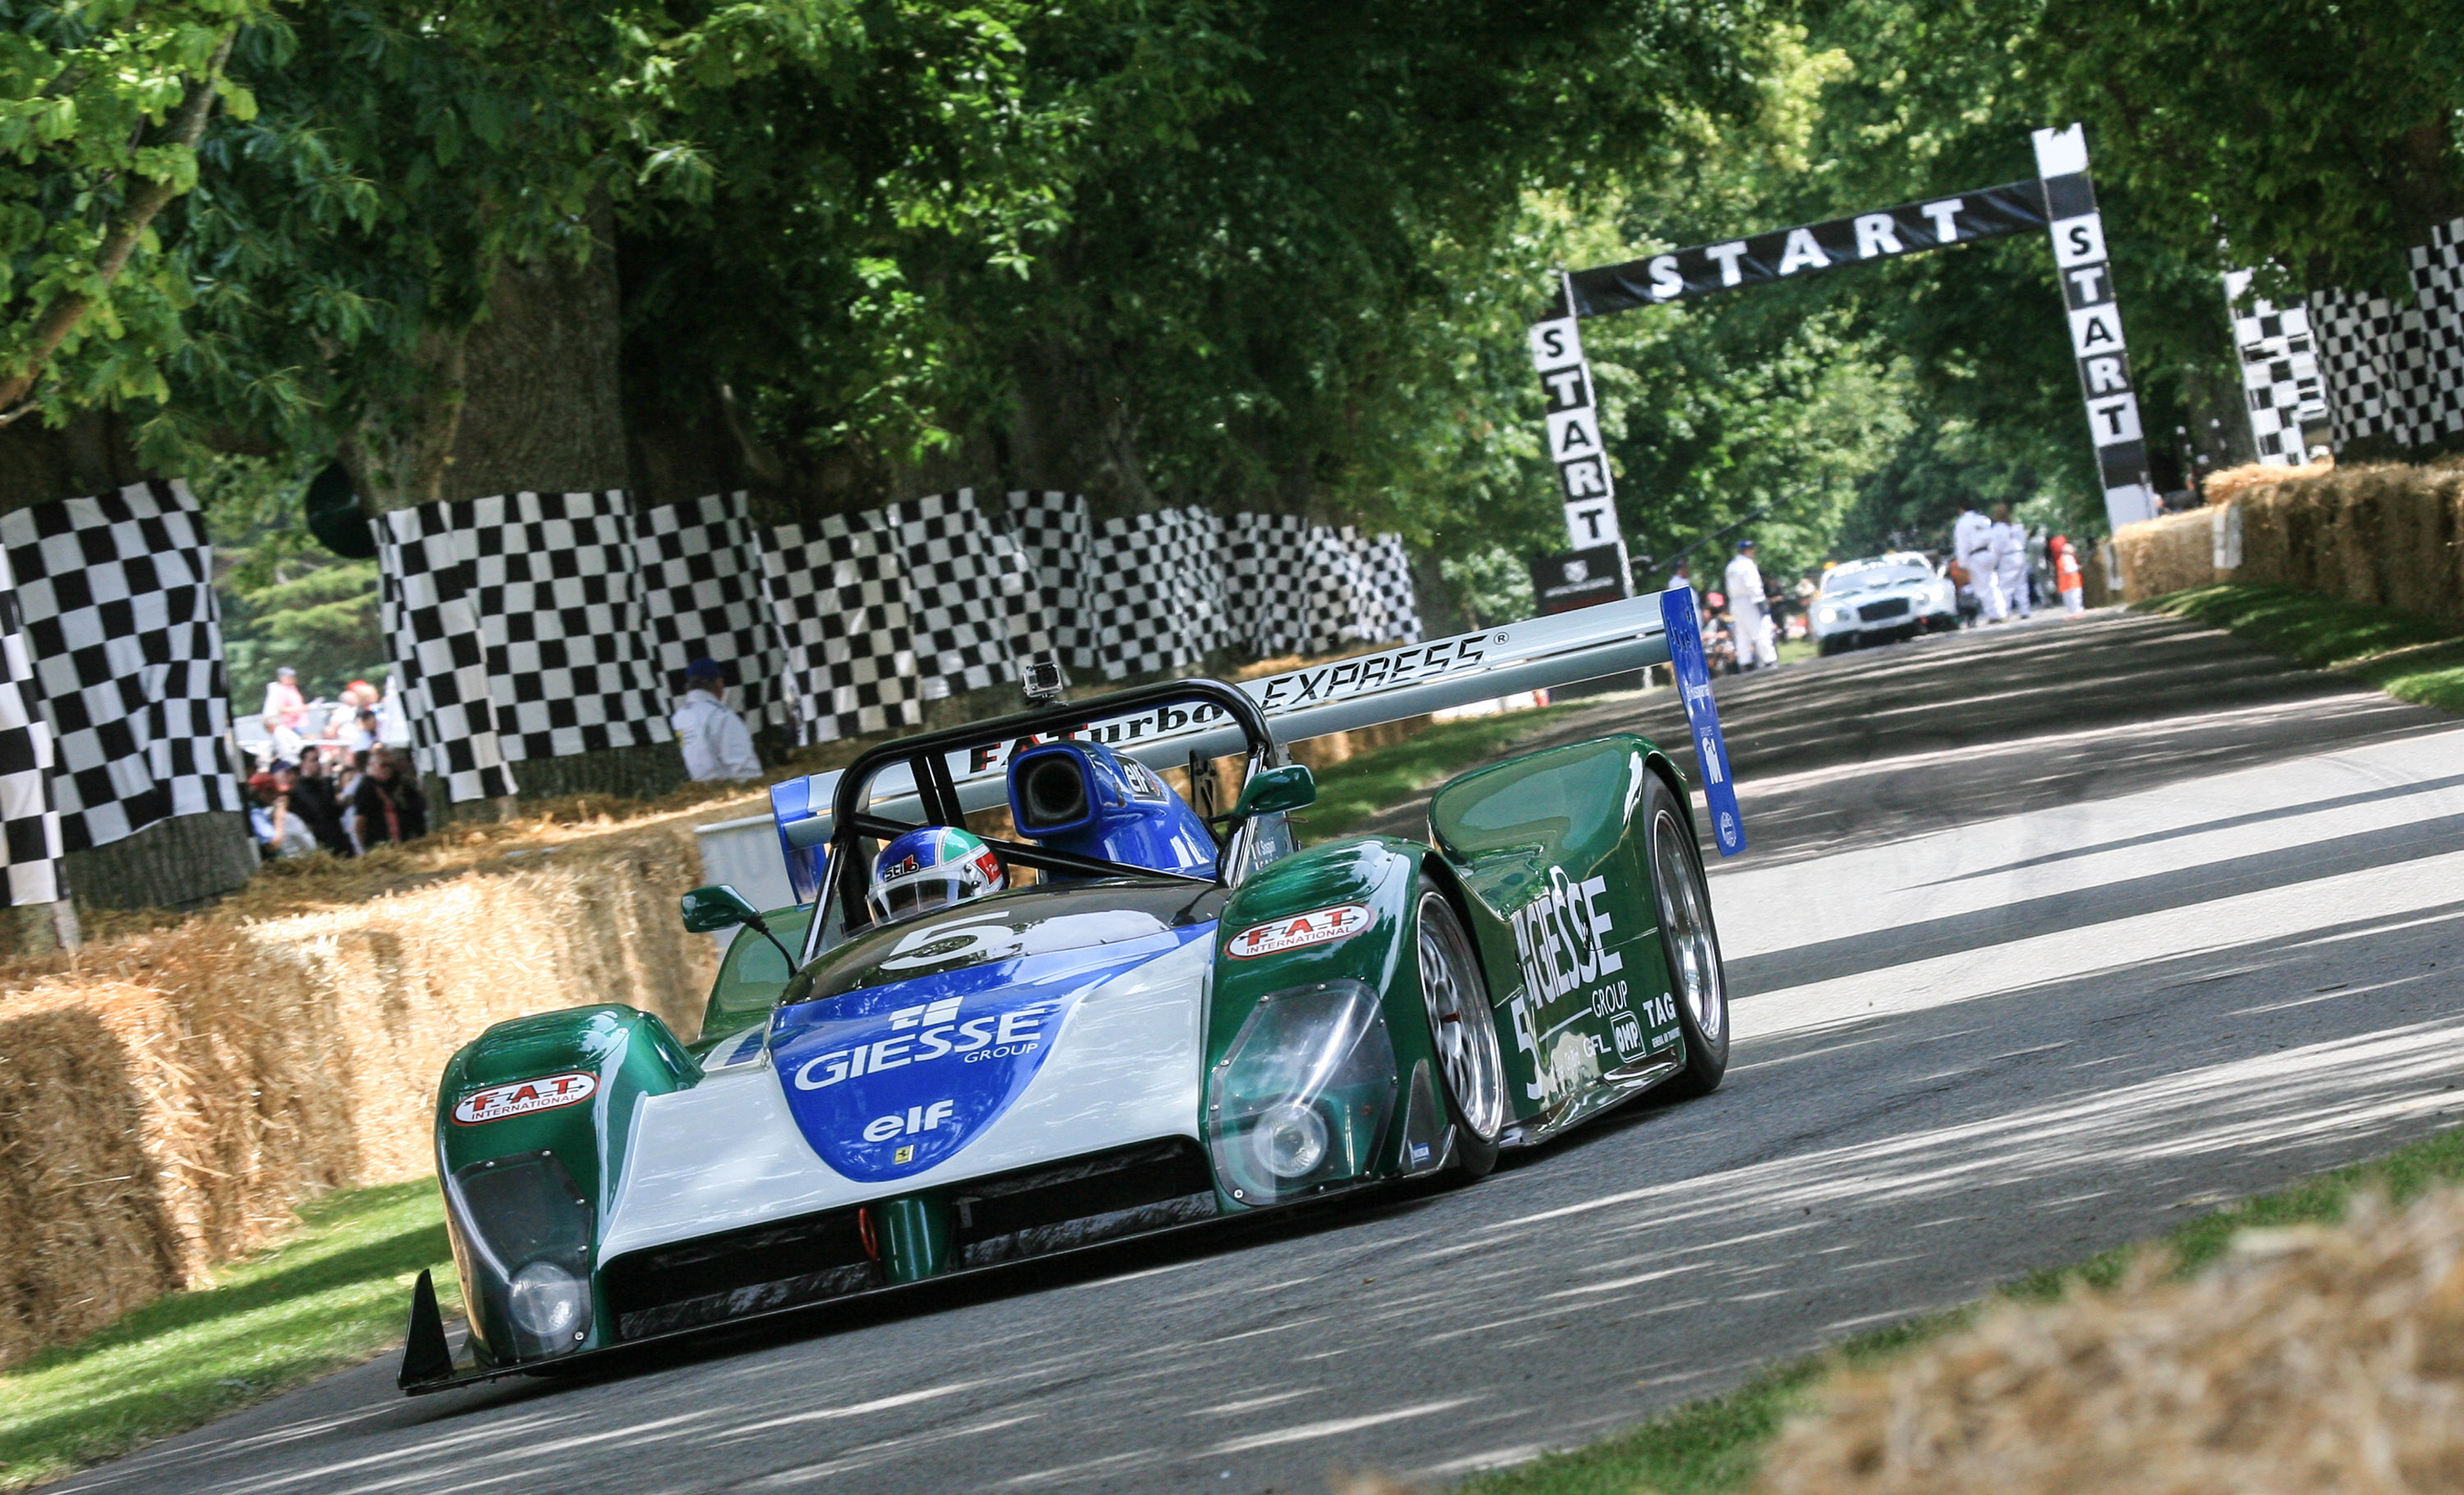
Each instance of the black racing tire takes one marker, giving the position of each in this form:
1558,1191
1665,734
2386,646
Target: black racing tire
1689,941
1471,1061
1836,644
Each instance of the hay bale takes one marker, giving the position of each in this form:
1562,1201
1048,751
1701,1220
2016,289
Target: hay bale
166,1098
2311,1359
2384,536
2166,555
2230,483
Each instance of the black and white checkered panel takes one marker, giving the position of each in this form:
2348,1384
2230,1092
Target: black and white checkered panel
117,600
30,823
2392,370
1265,610
701,567
2438,285
569,652
2281,385
1050,529
1154,599
974,604
1392,609
425,561
839,594
1337,591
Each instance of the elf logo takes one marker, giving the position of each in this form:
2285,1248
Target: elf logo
1297,931
918,1118
523,1097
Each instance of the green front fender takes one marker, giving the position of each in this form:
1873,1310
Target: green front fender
1380,874
561,1086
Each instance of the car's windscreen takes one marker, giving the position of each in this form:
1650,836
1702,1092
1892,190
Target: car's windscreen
1006,926
1866,576
751,974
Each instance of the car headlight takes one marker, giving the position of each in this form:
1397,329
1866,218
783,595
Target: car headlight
1834,614
522,1236
1298,1101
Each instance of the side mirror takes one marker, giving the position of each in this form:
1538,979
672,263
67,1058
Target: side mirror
709,909
1290,788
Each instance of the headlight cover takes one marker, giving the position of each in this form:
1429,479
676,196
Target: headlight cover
1298,1102
1831,614
523,1233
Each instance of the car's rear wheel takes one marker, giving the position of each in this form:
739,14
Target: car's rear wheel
1689,941
1462,1035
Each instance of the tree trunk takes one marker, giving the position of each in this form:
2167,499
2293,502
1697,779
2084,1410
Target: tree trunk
528,399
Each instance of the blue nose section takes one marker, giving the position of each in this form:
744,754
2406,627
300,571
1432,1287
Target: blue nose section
888,1081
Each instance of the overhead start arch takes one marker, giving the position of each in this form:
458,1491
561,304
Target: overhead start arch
2062,200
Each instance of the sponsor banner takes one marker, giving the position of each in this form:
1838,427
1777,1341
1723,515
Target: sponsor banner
1578,578
1693,675
1785,253
523,1098
1299,931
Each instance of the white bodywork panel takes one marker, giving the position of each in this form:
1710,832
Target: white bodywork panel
1127,1068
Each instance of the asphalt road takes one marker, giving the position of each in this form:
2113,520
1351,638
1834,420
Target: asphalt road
2049,936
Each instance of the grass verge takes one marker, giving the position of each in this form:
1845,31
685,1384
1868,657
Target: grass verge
2409,658
334,1293
1378,779
1718,1445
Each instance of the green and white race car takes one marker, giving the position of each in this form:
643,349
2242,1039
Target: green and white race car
1168,1019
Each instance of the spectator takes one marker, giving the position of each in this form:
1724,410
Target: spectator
1972,563
2010,542
388,802
2068,578
363,737
357,697
280,832
1749,612
1682,576
315,800
716,743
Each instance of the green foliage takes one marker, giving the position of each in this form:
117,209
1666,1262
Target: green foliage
331,1295
286,600
2321,140
87,92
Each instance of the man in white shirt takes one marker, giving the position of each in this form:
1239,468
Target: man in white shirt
716,743
2010,561
1972,545
1751,610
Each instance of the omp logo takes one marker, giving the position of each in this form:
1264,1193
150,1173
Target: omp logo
1561,937
523,1097
1295,932
918,1118
1015,1032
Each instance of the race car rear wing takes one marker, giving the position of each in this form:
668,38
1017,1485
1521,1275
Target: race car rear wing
1345,695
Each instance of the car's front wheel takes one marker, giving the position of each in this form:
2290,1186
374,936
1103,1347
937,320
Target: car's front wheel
1689,940
1462,1035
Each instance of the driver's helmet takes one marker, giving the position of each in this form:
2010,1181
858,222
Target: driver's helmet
930,868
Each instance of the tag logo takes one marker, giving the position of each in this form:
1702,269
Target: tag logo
1299,931
523,1097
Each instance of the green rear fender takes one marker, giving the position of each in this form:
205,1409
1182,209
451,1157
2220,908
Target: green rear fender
1547,849
1253,960
561,1086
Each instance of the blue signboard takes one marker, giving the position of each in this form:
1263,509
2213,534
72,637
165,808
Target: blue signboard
1677,611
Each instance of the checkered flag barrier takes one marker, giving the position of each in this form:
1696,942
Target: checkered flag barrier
440,650
122,642
2392,370
973,605
702,591
30,824
1050,529
569,650
1157,603
839,593
2281,385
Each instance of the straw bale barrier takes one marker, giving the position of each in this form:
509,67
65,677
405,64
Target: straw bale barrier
2387,535
2310,1359
166,1097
